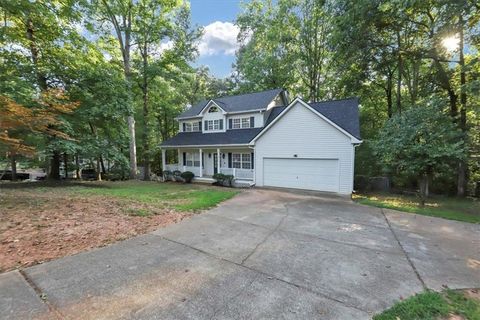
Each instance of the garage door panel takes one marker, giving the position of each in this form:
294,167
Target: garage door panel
312,174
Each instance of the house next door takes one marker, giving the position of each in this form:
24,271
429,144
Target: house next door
215,163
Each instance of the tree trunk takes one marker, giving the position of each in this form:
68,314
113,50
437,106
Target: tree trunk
99,170
462,166
65,164
55,166
34,51
2,173
13,159
388,92
146,129
423,184
399,77
77,170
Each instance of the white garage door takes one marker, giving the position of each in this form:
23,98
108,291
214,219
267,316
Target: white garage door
311,174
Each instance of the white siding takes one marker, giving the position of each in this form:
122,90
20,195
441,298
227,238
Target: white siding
302,133
213,116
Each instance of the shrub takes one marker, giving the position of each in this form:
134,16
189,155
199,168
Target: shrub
223,179
177,176
167,175
187,176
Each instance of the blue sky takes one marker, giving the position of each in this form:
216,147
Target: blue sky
218,45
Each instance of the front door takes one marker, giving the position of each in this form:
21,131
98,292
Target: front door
215,163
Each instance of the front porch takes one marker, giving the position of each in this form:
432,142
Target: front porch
205,162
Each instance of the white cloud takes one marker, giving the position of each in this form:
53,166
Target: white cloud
219,38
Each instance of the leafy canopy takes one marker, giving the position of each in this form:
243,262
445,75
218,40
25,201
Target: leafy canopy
420,140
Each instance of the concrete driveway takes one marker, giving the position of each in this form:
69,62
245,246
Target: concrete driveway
262,255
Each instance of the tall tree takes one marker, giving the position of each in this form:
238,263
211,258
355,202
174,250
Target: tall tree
120,14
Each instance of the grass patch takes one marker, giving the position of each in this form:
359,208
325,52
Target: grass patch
431,305
138,212
465,210
204,199
182,197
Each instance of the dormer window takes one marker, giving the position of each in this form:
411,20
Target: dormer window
213,109
242,123
191,126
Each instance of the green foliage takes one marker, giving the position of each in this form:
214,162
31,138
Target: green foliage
451,208
223,179
419,141
425,306
430,305
183,197
187,176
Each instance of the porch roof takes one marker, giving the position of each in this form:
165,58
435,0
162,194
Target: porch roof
230,137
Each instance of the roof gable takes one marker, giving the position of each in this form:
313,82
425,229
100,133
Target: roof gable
342,114
238,103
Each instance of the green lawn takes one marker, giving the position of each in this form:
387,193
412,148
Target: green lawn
431,305
466,210
182,197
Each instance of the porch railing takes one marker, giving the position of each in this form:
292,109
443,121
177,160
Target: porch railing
243,174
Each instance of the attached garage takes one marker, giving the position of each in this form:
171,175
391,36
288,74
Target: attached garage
311,174
309,146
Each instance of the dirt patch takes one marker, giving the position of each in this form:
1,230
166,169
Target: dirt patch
37,227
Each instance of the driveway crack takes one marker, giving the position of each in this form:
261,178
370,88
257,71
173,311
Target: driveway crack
404,251
240,292
268,235
268,275
42,295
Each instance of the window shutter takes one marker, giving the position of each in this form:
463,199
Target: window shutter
230,123
229,159
252,122
183,126
206,125
200,126
184,158
221,124
251,159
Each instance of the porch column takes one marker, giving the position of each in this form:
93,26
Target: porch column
180,160
201,162
218,159
163,160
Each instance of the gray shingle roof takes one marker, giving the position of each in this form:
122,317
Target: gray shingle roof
238,136
243,102
343,112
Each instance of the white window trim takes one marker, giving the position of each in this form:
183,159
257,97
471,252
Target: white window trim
192,159
192,126
241,123
213,125
240,161
245,123
236,123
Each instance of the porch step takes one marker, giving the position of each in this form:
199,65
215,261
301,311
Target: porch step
243,183
203,180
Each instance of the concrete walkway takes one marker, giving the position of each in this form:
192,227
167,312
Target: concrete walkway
262,255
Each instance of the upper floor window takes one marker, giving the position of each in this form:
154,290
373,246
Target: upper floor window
241,123
214,124
191,126
213,109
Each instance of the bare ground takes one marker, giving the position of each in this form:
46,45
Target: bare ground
37,227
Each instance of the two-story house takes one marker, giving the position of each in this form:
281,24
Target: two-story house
264,139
